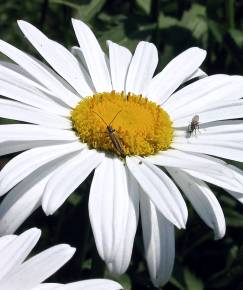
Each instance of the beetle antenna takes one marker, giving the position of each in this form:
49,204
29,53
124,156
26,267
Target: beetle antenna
100,117
115,117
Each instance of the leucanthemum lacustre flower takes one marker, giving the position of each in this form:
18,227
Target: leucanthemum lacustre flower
111,114
18,274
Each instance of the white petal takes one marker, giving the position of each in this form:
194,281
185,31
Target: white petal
222,175
58,57
197,74
159,242
212,99
26,163
121,262
106,204
202,89
113,211
26,132
94,56
120,58
142,67
31,96
174,74
77,52
17,111
5,240
16,251
26,196
219,131
20,74
176,158
48,286
40,72
38,268
93,284
217,179
220,148
203,200
232,180
7,147
18,205
238,174
222,111
77,170
160,189
17,86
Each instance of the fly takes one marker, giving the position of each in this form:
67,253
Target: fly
114,138
193,126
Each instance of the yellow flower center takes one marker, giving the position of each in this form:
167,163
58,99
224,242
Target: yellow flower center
125,124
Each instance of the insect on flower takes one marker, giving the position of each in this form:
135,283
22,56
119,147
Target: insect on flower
193,126
114,138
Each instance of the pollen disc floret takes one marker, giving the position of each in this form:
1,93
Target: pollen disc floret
141,126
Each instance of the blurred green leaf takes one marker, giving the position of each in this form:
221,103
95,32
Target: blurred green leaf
176,283
195,20
216,30
124,280
237,36
144,5
84,12
167,21
87,11
225,277
232,256
74,199
192,282
67,3
233,217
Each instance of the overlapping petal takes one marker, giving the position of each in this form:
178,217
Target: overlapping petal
174,74
94,56
120,58
77,168
160,189
194,92
16,85
17,111
24,164
203,200
55,53
142,67
113,210
159,242
27,195
26,132
40,72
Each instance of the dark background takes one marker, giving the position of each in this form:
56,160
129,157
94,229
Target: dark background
173,25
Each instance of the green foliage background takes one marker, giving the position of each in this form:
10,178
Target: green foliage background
173,25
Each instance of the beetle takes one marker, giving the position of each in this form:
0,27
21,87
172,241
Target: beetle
193,126
113,136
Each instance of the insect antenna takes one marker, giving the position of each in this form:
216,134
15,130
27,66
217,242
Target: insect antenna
100,117
115,117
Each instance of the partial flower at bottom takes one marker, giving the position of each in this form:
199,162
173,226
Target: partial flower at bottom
112,115
18,274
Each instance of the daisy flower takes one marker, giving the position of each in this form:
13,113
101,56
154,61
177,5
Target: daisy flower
114,116
18,274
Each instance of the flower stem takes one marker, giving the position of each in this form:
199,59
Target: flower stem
230,13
